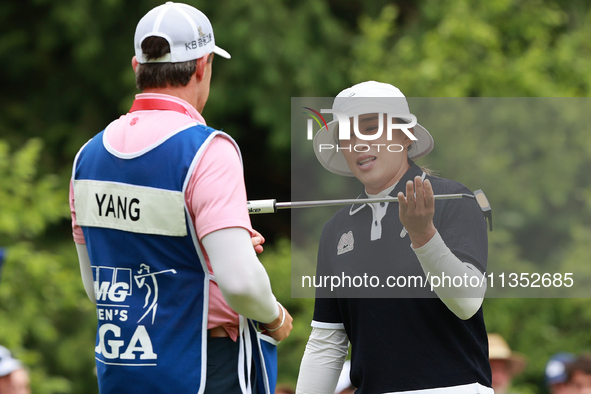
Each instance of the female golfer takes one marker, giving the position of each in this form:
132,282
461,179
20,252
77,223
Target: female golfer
411,329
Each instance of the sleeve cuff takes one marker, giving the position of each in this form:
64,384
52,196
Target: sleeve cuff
433,244
328,326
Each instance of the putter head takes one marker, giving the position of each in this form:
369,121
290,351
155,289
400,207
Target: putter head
484,206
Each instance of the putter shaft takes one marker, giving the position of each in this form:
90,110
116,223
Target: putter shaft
271,206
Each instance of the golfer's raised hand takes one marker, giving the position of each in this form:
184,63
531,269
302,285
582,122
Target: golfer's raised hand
257,241
416,211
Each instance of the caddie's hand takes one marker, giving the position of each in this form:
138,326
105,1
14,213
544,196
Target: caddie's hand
257,241
279,328
416,211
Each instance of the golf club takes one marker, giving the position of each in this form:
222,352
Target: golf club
271,205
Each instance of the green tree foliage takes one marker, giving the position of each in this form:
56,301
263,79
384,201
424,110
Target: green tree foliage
465,48
40,295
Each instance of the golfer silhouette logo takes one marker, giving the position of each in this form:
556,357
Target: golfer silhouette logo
152,288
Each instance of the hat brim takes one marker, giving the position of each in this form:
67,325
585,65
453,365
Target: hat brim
222,52
335,162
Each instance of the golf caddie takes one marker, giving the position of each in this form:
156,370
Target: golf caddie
161,226
408,333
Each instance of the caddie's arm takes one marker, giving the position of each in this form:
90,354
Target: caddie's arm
86,271
243,280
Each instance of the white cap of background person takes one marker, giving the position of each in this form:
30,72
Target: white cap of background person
8,364
367,98
555,371
187,30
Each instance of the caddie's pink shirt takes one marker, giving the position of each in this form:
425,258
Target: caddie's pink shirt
221,198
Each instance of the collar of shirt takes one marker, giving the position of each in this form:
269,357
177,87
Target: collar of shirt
152,119
189,109
383,193
379,209
392,191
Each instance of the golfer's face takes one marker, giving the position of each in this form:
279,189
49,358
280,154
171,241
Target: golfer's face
378,163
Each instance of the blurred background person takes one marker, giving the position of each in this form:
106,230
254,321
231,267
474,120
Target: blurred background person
8,365
579,374
20,382
14,378
504,363
555,373
284,389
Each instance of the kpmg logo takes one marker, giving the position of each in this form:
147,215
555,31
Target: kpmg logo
344,130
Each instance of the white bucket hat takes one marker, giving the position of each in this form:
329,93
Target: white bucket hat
187,30
366,98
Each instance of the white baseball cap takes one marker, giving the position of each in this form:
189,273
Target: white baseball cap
187,30
8,364
555,371
367,98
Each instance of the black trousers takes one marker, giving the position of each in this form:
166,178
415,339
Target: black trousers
222,367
